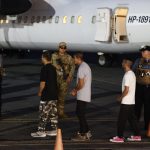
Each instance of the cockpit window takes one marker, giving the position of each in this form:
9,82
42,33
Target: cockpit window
25,19
19,19
94,19
57,19
65,19
38,19
72,19
50,19
33,19
80,19
43,19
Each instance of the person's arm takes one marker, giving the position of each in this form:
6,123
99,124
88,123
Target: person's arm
72,70
135,65
72,67
124,93
54,62
42,81
79,86
42,86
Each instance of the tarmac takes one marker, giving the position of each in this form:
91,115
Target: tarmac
20,110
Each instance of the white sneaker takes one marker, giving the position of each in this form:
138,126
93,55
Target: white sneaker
51,133
38,134
88,134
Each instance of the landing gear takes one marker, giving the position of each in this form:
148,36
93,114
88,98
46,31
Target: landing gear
105,60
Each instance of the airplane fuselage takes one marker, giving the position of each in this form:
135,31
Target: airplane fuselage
95,26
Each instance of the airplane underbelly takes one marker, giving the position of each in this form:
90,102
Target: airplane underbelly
48,37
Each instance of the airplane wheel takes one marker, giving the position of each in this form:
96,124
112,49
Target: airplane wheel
105,61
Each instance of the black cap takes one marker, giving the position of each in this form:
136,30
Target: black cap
145,48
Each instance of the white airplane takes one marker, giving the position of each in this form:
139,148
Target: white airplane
102,26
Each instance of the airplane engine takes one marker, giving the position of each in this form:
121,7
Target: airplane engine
14,7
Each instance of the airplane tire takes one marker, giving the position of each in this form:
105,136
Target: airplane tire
105,60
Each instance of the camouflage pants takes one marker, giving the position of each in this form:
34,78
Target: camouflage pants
48,113
62,92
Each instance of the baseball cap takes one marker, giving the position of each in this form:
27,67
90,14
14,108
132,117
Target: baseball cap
145,48
62,44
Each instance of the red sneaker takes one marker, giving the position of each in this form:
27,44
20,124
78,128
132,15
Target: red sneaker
117,139
134,138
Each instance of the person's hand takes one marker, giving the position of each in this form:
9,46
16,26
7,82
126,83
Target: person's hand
39,94
73,92
58,67
68,80
119,98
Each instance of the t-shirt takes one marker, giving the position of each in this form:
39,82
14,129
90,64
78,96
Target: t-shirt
129,80
49,76
84,72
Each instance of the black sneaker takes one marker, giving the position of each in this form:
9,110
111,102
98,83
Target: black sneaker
78,137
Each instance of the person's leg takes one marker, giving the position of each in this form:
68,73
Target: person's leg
80,111
146,106
84,134
133,121
138,101
122,119
44,110
62,92
53,116
44,114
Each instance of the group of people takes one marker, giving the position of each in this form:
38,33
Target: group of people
56,75
135,94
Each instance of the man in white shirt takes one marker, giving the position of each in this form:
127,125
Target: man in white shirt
83,93
127,100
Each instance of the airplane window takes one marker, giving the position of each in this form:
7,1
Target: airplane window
19,19
25,19
44,19
38,19
65,19
72,19
2,21
7,21
57,19
94,19
79,19
50,19
33,19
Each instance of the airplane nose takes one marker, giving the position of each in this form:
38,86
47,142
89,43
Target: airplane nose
14,7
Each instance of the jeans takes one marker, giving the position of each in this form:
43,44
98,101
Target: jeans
81,111
127,113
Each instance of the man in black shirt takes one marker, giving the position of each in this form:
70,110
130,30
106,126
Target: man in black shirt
48,94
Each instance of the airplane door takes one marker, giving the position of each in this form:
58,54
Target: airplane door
103,25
